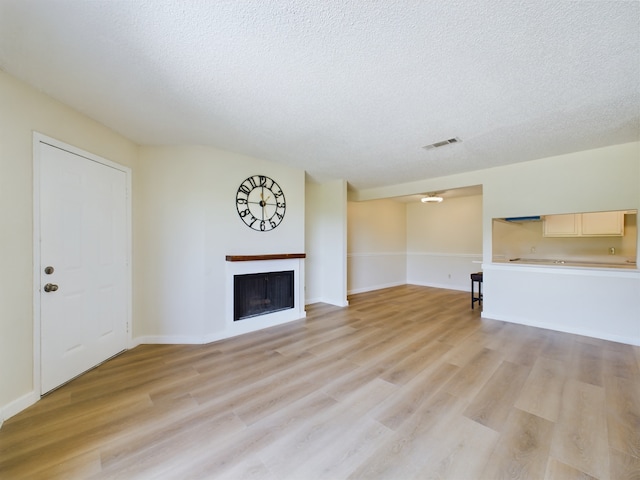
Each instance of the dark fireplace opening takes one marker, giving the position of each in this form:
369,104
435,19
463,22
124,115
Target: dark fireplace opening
260,293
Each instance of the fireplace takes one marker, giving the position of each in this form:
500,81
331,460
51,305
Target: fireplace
262,293
278,281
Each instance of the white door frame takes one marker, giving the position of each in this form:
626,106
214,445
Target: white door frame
37,139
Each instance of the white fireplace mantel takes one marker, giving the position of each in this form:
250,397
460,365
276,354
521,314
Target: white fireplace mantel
247,264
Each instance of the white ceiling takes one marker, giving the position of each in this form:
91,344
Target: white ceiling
342,88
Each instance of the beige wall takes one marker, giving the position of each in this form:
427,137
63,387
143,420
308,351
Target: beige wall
453,226
595,180
444,242
376,245
186,196
24,110
377,226
588,181
326,242
393,243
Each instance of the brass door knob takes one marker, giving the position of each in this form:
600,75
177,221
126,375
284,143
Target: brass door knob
50,287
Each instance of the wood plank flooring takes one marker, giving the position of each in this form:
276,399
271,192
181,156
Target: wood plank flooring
406,382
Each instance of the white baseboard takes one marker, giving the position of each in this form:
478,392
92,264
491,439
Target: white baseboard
561,328
461,288
371,288
200,340
169,340
311,301
447,286
17,406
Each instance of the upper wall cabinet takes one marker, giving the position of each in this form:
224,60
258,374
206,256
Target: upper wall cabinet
594,224
603,223
563,225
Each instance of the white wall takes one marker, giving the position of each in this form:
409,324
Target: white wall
376,245
313,243
326,242
444,242
24,110
600,303
185,198
593,180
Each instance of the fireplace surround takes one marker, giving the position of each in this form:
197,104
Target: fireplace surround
253,267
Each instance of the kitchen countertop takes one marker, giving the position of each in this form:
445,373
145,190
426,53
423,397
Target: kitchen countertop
572,262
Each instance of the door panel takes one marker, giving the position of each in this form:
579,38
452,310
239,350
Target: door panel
83,237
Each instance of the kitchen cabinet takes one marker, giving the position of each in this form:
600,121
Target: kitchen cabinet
603,224
562,225
593,224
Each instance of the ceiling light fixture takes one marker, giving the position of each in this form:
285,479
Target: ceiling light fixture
431,199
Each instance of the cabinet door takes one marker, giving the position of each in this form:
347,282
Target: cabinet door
603,224
562,225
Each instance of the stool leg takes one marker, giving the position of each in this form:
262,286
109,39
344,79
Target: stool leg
472,302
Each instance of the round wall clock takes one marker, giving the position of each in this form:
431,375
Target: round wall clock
260,203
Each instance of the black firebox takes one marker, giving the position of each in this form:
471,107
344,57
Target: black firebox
260,293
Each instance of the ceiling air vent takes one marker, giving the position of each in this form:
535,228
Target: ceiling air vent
442,143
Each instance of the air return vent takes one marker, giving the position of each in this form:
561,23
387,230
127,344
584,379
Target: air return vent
442,143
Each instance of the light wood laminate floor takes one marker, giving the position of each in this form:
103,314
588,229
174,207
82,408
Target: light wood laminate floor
406,382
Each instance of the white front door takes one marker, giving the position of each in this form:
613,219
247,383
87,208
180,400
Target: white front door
83,264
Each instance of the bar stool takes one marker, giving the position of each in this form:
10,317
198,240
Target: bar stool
476,277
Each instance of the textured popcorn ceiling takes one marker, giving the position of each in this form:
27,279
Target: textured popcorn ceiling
341,88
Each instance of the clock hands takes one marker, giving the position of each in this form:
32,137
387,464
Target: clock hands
263,200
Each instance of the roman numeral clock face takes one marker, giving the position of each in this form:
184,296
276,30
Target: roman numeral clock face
260,203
